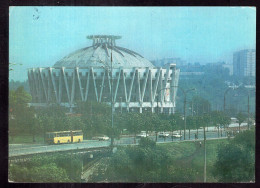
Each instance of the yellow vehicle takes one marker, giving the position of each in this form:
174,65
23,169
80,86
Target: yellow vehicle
64,137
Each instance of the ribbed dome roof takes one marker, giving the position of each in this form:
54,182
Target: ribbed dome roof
99,55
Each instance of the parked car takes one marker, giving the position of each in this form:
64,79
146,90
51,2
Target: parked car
103,138
176,135
163,134
142,135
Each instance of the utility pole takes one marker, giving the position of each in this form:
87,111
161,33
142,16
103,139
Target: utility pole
192,108
91,109
157,113
184,105
121,104
184,112
112,101
82,168
205,162
248,111
224,107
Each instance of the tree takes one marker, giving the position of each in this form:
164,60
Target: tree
92,107
97,119
47,173
241,118
190,123
134,123
219,119
198,120
179,122
236,160
155,124
147,143
13,85
119,123
71,164
224,121
146,162
18,100
147,122
22,118
200,105
164,126
172,121
51,168
215,117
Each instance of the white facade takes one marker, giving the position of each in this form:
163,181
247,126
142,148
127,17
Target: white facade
244,63
134,88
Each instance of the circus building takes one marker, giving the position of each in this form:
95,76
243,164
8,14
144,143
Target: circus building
94,73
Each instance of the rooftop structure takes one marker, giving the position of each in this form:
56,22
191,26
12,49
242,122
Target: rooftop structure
99,55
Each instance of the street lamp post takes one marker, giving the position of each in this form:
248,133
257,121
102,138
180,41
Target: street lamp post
157,103
205,156
112,101
121,104
184,112
248,97
184,105
248,111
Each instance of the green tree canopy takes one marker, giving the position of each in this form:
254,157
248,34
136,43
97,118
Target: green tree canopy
134,123
47,169
236,160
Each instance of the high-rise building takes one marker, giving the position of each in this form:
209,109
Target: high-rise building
244,63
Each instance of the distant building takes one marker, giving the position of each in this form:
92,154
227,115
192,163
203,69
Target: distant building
229,67
244,63
163,62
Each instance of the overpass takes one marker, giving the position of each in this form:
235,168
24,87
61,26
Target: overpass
21,150
83,152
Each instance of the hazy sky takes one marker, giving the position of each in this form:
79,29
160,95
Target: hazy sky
40,36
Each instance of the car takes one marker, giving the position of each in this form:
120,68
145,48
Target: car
142,135
103,138
176,135
163,134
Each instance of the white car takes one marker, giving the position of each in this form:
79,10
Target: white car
142,135
163,134
176,135
103,138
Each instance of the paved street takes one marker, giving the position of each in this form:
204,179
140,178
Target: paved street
15,150
209,135
20,149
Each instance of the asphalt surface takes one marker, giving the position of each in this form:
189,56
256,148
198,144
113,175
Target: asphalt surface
23,149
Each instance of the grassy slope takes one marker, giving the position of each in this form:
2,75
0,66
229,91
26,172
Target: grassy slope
211,153
191,155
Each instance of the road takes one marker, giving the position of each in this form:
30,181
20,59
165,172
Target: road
21,149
